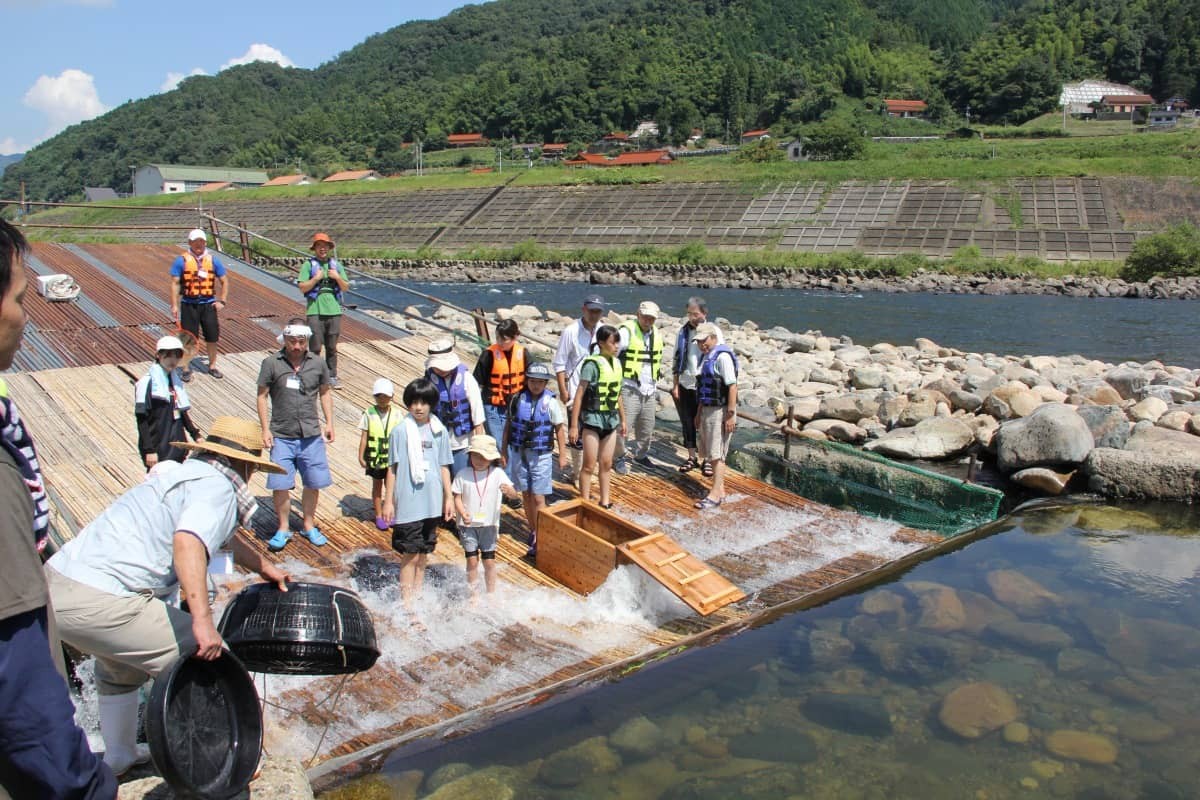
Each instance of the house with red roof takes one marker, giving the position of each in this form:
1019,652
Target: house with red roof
1124,103
641,158
353,175
906,109
216,186
289,180
755,135
553,151
467,140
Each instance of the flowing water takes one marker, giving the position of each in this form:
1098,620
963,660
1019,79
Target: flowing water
1074,629
1108,329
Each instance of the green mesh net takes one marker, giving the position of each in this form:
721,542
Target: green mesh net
841,476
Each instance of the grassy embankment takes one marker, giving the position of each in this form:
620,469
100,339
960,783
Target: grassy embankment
1094,149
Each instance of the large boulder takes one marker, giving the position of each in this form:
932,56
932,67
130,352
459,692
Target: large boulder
848,407
933,438
589,758
1149,410
1127,380
1163,442
1053,435
1095,391
1108,424
1143,474
922,404
976,709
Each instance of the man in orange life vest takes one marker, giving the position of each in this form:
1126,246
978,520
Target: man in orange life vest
199,290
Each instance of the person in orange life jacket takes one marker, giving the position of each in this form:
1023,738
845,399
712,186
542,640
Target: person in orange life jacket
377,424
597,413
641,350
162,407
322,280
294,379
199,289
716,393
686,366
43,753
536,420
460,403
500,373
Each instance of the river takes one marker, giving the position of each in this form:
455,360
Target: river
1108,329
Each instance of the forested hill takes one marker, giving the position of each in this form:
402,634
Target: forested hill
570,70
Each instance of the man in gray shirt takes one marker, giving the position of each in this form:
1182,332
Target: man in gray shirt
294,379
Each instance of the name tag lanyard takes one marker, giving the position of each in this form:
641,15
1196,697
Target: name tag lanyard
481,492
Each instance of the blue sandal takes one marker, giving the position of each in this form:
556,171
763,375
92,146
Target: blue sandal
279,541
315,536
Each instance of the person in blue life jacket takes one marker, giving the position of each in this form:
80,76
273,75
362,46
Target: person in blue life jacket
597,415
716,394
460,402
686,366
43,753
378,422
536,422
322,279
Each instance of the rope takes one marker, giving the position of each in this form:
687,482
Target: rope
59,287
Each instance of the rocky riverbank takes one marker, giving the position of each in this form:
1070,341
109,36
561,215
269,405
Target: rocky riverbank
733,277
1051,424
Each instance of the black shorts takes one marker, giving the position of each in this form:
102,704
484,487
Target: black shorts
603,433
418,537
197,317
378,473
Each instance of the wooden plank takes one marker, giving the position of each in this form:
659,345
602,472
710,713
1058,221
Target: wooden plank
705,591
695,576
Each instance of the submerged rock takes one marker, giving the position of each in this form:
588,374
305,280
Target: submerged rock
1091,748
637,738
584,760
775,743
772,783
859,714
1021,593
976,709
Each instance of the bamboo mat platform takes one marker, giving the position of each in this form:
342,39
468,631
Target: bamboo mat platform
533,634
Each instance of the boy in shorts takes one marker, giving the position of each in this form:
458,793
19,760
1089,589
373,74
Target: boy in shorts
536,420
417,493
477,489
377,424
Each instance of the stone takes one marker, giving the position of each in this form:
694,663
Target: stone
1175,421
1127,381
637,738
1145,729
1053,435
586,759
800,343
1049,394
811,389
772,783
933,438
1032,635
891,406
446,773
838,430
867,377
830,376
1090,748
1098,392
1143,475
922,405
981,611
493,783
962,400
976,709
1108,424
941,610
829,650
775,743
848,407
1042,479
1149,410
1016,733
858,714
1161,441
1115,518
1020,593
524,313
918,656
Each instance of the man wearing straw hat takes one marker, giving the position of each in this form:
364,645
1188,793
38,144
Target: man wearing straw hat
111,584
322,280
199,289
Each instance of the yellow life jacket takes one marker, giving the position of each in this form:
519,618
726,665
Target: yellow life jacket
606,391
636,354
379,433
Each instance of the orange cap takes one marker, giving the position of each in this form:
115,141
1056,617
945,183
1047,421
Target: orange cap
320,237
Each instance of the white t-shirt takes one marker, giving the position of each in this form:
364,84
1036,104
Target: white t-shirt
574,344
691,365
480,491
130,547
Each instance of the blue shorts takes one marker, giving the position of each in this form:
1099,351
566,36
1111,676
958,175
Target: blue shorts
495,418
305,455
461,459
530,471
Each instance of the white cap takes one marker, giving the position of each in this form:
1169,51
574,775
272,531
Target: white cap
168,343
196,233
649,308
383,386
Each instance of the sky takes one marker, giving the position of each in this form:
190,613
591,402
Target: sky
65,61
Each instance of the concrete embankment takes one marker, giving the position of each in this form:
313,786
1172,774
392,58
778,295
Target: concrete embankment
739,277
1051,424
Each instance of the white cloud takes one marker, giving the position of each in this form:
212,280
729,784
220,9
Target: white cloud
66,99
175,78
9,146
260,52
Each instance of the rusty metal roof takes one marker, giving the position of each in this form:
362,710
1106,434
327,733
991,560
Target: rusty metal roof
124,306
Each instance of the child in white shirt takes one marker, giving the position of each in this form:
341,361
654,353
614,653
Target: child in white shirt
477,489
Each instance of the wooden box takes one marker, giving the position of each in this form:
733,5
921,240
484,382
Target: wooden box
579,544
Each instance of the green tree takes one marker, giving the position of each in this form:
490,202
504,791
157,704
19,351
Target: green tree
833,141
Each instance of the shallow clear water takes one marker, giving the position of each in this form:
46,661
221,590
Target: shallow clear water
1075,629
1108,329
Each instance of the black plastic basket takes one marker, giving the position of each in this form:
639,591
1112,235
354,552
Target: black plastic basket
311,629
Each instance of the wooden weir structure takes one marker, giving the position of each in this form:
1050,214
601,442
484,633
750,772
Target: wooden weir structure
536,634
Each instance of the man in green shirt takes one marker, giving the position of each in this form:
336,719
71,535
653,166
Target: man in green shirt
322,280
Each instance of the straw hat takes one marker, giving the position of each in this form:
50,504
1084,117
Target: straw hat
484,445
235,438
442,356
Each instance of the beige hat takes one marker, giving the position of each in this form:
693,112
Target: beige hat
484,445
649,308
441,355
706,329
236,438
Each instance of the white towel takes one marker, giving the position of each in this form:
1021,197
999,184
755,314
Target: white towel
416,453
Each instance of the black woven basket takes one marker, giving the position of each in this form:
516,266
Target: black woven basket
311,629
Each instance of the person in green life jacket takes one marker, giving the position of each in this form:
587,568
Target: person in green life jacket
322,279
376,426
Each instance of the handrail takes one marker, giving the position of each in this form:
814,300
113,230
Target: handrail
180,209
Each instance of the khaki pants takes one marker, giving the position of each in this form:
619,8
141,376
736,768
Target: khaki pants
639,417
714,442
133,638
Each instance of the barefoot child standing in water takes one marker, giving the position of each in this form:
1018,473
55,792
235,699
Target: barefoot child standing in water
417,492
477,490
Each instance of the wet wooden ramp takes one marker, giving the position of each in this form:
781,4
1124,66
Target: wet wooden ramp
514,646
